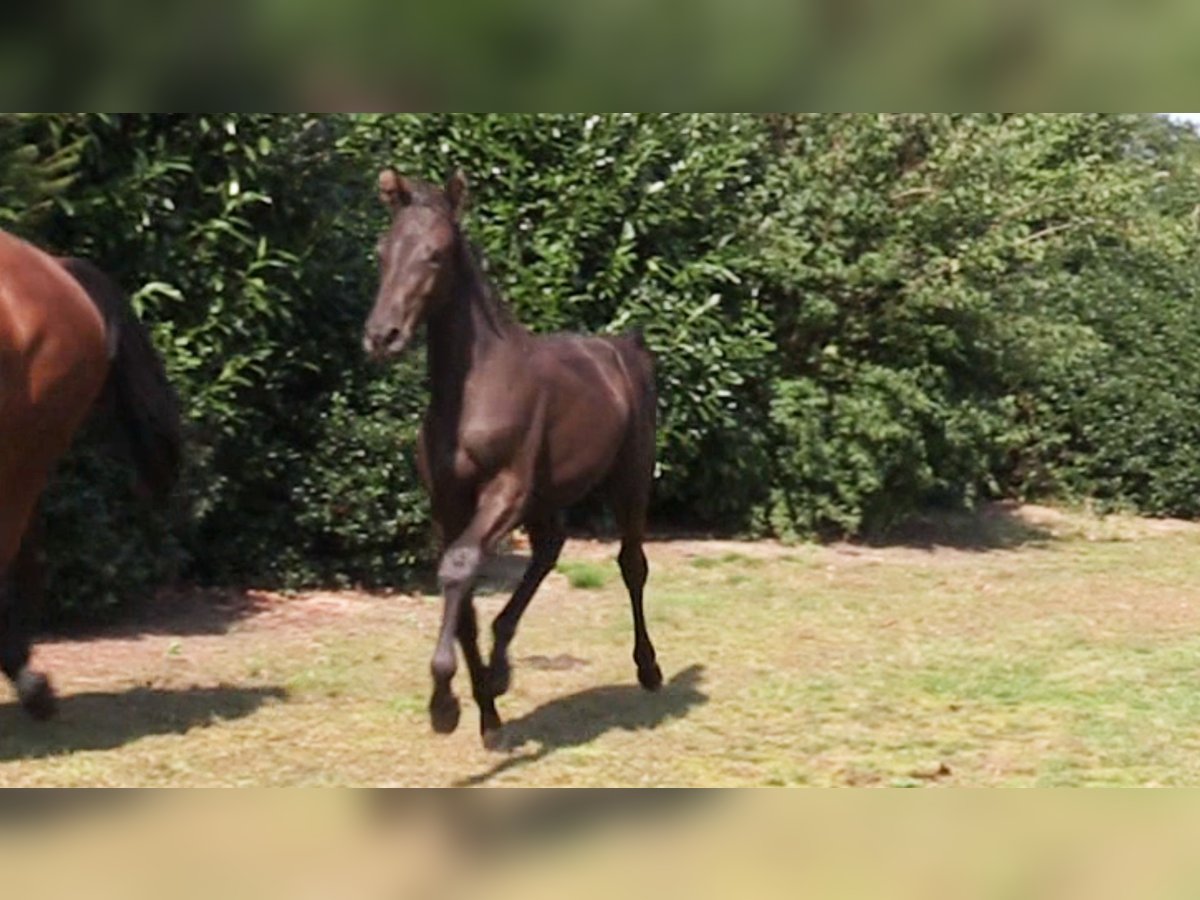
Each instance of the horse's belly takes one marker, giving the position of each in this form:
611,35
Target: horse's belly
573,476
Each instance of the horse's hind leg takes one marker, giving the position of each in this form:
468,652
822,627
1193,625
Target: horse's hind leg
19,589
634,570
629,502
33,688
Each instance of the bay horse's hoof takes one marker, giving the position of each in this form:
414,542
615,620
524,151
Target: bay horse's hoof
36,695
444,712
651,679
493,738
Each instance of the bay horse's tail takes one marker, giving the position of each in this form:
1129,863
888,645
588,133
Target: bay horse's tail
637,341
138,393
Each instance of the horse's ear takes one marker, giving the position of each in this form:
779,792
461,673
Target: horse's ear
394,189
456,191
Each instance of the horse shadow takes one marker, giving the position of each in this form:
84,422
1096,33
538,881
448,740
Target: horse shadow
107,720
1000,525
581,718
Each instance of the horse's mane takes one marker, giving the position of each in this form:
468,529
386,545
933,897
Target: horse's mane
476,267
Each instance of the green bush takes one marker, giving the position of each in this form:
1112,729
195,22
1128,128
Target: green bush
987,270
366,515
854,316
850,458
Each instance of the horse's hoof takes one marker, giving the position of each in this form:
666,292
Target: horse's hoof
36,695
493,738
651,679
444,712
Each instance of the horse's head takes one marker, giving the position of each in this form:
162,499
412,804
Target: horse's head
416,257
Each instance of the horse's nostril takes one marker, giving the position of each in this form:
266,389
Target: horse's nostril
379,344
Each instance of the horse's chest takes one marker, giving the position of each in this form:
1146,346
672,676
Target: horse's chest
472,451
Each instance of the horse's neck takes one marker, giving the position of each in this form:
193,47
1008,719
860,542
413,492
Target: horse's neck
467,329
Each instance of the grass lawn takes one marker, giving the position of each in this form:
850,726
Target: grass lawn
1026,646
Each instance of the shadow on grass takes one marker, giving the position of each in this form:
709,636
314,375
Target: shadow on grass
1000,525
105,721
191,611
185,612
500,574
580,718
995,526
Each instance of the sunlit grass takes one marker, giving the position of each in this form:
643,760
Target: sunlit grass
1068,656
584,575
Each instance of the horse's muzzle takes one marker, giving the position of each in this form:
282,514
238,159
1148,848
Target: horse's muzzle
387,345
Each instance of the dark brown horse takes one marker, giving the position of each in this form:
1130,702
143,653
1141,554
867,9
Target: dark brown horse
69,342
518,427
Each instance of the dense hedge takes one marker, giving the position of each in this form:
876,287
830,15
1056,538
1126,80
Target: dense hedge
855,316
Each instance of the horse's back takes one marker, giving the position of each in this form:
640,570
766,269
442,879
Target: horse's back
600,402
639,360
53,346
53,364
597,369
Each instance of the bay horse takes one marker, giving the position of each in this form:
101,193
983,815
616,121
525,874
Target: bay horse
69,344
519,426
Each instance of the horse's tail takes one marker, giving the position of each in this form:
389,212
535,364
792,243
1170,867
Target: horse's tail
139,395
643,361
638,339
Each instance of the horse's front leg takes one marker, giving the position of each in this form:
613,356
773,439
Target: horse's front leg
546,537
501,502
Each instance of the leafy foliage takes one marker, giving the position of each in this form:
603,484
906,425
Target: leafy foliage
992,266
854,316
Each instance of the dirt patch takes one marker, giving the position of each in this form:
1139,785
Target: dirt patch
185,631
1067,523
680,549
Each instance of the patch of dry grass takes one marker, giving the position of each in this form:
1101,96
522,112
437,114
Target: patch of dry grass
1027,647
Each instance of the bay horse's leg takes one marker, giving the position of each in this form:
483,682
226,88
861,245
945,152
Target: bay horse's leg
629,493
634,570
19,589
497,512
16,631
29,577
546,539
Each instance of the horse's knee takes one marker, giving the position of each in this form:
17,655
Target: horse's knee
458,567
